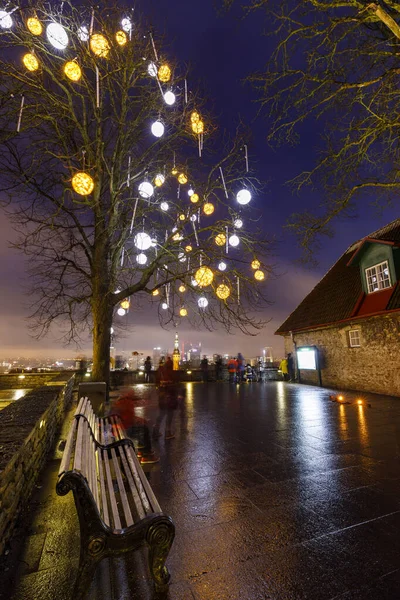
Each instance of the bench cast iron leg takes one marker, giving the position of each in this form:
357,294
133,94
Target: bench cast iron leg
160,536
90,556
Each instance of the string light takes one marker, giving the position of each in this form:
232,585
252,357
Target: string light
164,73
259,275
31,62
182,217
220,239
182,178
82,183
255,264
183,312
208,208
204,276
159,180
99,45
125,304
182,289
194,198
34,26
198,127
121,38
72,70
188,248
164,306
223,292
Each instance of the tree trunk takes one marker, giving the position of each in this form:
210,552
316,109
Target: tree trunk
102,321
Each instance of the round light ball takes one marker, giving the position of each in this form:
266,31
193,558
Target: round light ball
157,129
243,197
193,218
202,302
146,190
82,183
164,73
222,266
126,24
208,208
188,248
194,282
83,33
234,240
238,223
159,180
164,206
164,306
34,25
121,312
169,98
57,36
121,38
99,45
204,276
141,259
31,62
5,20
182,178
255,264
198,127
190,192
125,304
259,275
142,241
174,171
182,288
195,117
223,292
194,198
220,239
183,312
72,70
152,70
182,217
155,293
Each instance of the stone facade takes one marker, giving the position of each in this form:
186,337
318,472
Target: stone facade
28,428
372,367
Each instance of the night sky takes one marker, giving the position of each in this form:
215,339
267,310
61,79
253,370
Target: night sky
220,51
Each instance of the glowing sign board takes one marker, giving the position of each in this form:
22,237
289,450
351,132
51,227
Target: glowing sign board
307,358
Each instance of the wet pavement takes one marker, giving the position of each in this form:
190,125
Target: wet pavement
276,492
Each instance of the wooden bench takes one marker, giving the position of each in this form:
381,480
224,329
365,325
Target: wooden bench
106,430
117,509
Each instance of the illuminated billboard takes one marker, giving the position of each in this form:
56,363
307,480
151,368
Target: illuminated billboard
307,358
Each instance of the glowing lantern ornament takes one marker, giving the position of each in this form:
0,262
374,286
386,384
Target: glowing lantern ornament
5,20
222,266
125,304
174,171
152,70
220,239
141,259
164,73
57,36
82,183
204,276
193,218
255,264
142,241
121,38
234,240
182,178
169,98
238,223
99,45
121,312
198,127
126,25
223,292
34,26
157,129
164,306
243,197
190,192
194,198
202,302
182,217
208,208
183,312
72,70
195,117
159,180
83,33
182,289
164,206
31,62
188,248
155,292
259,275
177,237
146,190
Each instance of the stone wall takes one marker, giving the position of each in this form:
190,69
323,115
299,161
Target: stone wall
373,367
12,381
28,428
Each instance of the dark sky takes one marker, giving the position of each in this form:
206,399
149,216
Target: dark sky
221,51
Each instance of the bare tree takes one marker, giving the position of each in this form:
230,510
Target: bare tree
99,147
335,67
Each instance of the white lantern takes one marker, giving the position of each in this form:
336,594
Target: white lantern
202,302
193,218
146,190
164,306
190,192
234,240
142,241
222,266
57,36
5,20
238,223
243,197
152,70
121,312
126,25
157,129
164,206
83,33
141,259
169,98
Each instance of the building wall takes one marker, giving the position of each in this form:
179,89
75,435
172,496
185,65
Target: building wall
373,367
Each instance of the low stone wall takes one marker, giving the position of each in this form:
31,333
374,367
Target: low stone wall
28,428
12,381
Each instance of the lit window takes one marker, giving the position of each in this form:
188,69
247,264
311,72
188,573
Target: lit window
354,338
378,277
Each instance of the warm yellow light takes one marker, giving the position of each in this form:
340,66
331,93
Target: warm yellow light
208,208
183,312
223,292
340,398
220,239
188,248
164,73
195,117
174,171
82,183
359,401
155,292
176,237
73,70
259,275
99,45
34,25
182,288
255,264
182,178
31,62
182,217
198,127
194,198
204,276
121,38
125,304
159,180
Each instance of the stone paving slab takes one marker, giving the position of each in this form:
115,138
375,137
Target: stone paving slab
276,492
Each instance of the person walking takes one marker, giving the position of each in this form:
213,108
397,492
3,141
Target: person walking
218,368
204,369
169,394
240,368
147,369
283,367
291,367
232,368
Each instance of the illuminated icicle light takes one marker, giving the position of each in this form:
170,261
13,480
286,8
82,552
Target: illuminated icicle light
164,206
157,129
121,38
141,259
169,98
145,189
222,266
99,45
164,306
208,208
34,26
83,33
57,36
220,239
223,292
182,289
234,240
152,70
31,62
255,264
259,275
82,183
202,302
125,304
204,276
159,180
142,241
126,25
121,312
238,223
72,70
243,197
182,178
194,198
164,73
6,21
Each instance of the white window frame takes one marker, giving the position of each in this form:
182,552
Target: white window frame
355,339
375,277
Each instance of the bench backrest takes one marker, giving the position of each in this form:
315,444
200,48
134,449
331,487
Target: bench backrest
105,429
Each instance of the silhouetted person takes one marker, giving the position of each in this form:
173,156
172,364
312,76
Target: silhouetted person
240,368
168,398
291,369
232,369
147,369
218,368
204,369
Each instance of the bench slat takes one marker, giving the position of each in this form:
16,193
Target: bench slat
122,492
132,486
78,447
79,407
111,494
131,456
66,458
104,504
